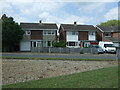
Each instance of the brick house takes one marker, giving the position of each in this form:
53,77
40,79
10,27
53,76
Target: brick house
38,35
109,33
78,35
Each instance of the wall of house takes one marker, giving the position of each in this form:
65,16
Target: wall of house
70,37
49,37
83,35
26,37
62,34
92,36
37,34
25,43
99,35
116,35
25,46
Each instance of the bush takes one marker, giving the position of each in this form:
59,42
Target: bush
81,52
59,44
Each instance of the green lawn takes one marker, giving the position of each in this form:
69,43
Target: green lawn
101,78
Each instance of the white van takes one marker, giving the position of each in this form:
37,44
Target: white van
107,46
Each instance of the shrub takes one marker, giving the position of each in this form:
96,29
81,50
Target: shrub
59,44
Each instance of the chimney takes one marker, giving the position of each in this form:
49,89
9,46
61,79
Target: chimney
75,22
40,21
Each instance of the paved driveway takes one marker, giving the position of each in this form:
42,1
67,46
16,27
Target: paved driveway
69,56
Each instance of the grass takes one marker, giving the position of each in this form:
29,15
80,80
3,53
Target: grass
101,78
38,58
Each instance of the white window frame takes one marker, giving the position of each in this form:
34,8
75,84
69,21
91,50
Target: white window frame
48,32
74,33
91,33
76,43
27,32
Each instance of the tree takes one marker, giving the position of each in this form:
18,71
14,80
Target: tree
11,34
59,44
111,23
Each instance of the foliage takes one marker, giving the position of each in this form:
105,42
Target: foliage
101,78
11,34
81,52
59,44
111,23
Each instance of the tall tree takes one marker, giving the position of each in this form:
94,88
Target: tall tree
111,23
11,34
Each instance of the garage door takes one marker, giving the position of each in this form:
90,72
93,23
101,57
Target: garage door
24,46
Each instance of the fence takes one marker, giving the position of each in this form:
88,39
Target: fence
64,50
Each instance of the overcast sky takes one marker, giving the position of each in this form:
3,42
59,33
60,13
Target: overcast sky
60,11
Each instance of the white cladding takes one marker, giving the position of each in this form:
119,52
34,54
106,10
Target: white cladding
92,36
72,36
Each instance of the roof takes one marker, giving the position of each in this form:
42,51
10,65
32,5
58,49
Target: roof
109,28
39,25
77,27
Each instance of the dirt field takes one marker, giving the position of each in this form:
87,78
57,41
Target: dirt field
14,71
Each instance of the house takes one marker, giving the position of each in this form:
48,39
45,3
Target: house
109,33
38,35
77,35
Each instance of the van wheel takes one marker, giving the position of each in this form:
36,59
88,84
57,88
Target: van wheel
105,51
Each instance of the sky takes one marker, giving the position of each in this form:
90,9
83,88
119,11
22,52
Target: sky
60,11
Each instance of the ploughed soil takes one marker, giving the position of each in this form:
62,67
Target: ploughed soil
18,70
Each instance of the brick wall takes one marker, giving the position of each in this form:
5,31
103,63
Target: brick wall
116,35
99,36
62,35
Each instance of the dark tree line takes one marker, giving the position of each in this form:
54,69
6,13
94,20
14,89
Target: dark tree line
11,34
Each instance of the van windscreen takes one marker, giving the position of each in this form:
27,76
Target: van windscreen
109,45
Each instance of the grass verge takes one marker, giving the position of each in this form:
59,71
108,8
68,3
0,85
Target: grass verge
101,78
72,59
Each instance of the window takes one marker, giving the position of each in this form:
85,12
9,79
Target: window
109,45
52,32
48,32
27,32
72,43
91,33
38,44
44,33
49,43
34,44
107,34
74,33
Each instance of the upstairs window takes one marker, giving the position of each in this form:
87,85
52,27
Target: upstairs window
74,33
91,33
107,34
27,32
48,32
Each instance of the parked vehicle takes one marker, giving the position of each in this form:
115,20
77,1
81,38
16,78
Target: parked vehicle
99,49
107,46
